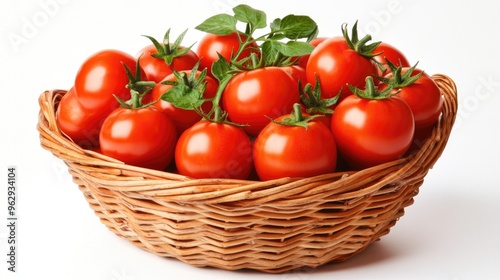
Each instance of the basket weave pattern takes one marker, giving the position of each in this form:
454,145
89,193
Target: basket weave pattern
271,226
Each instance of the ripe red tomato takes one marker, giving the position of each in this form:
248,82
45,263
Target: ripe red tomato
294,151
423,96
370,132
325,118
143,137
214,150
337,65
156,69
297,72
419,138
79,124
393,54
182,118
211,45
252,97
100,77
302,62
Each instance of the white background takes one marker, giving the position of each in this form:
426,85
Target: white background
451,232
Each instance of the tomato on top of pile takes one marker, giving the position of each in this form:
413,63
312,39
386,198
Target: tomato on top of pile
272,101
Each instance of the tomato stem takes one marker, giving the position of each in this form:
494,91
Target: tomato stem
297,118
362,42
145,84
217,114
243,45
185,78
370,87
297,111
220,90
136,99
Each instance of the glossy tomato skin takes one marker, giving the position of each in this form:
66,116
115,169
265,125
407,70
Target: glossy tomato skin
419,139
182,119
211,45
142,137
391,53
214,150
424,98
293,151
371,132
156,69
79,124
101,76
336,65
297,72
302,62
252,97
326,119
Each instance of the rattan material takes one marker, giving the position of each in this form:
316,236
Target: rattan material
272,226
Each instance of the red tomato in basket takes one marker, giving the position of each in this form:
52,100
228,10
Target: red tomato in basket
252,97
424,98
143,137
100,77
182,118
156,69
79,124
337,65
214,150
211,45
419,139
391,53
302,62
297,72
371,132
294,151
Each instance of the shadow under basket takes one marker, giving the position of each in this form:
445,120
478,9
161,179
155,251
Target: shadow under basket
272,226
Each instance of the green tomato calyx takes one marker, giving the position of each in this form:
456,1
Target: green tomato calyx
359,45
297,118
399,79
311,98
372,92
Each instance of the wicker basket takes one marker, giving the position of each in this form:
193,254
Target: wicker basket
271,226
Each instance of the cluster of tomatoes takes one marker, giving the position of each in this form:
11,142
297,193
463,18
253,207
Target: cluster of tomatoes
242,105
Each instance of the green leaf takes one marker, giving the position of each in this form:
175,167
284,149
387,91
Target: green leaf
313,35
184,97
276,52
221,68
247,14
295,48
271,51
276,37
275,25
295,27
221,24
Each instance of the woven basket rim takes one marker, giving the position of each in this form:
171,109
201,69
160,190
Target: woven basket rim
336,215
192,189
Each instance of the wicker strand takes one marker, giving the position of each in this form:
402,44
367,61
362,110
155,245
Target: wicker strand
272,226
